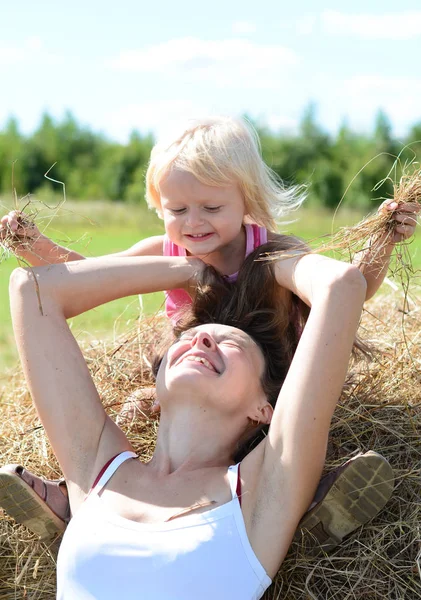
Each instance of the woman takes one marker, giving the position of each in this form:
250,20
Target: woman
174,527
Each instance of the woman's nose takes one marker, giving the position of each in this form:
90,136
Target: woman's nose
203,339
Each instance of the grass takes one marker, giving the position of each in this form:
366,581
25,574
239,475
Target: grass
98,228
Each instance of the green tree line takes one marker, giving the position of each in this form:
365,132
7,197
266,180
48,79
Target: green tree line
95,167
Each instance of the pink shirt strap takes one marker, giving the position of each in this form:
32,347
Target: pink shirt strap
102,471
238,489
117,460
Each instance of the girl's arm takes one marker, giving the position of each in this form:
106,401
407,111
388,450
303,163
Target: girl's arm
68,404
290,460
374,261
30,244
39,250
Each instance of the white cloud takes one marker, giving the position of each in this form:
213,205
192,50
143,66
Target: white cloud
397,96
31,50
243,27
305,25
225,63
34,44
392,26
11,55
361,84
167,119
278,122
164,117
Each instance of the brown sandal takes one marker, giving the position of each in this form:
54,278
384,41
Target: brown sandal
347,498
39,504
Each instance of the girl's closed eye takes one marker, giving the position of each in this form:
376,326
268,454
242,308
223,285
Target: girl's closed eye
213,208
177,211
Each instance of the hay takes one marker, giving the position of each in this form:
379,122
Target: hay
21,239
375,232
381,225
380,409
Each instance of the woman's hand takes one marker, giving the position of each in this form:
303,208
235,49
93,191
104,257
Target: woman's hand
404,217
198,267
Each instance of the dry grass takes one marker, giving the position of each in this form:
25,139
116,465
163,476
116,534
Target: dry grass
380,409
376,230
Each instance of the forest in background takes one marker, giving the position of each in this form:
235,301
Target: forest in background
95,167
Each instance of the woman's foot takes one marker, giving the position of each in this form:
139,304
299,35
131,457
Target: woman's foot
39,504
345,499
42,505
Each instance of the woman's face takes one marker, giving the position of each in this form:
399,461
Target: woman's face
220,365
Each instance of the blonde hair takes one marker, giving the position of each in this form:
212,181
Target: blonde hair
220,151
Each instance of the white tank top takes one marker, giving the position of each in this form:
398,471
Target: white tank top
104,556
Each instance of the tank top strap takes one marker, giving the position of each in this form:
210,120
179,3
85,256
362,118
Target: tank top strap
111,468
249,238
171,249
260,236
255,237
233,478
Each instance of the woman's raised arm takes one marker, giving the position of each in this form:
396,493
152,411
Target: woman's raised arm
42,299
335,292
293,453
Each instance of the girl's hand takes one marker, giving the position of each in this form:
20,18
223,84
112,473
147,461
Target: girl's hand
404,216
16,230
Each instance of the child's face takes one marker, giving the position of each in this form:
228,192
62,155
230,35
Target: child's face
199,217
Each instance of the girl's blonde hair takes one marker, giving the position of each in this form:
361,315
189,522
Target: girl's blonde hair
220,151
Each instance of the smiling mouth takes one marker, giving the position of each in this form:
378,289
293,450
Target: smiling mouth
201,360
198,236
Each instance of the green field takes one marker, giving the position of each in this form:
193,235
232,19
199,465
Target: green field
100,228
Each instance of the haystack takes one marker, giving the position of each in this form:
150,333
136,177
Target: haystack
380,409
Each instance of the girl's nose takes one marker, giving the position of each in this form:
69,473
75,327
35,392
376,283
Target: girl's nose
194,218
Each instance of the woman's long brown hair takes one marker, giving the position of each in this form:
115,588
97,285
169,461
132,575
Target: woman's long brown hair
257,305
272,316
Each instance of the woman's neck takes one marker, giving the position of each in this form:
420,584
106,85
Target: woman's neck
187,441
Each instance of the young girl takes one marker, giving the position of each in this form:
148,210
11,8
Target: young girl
219,201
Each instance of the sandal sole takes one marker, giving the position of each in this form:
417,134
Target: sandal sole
24,505
359,493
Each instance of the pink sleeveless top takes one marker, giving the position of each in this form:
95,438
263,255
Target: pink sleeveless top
176,300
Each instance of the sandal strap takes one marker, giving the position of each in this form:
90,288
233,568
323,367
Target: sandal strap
49,491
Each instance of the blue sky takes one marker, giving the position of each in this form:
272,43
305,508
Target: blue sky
128,64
